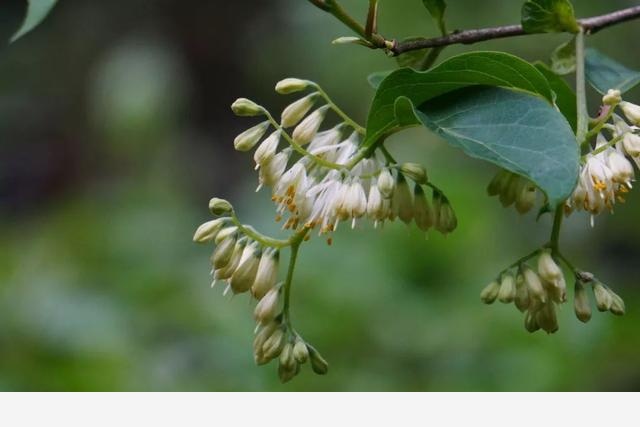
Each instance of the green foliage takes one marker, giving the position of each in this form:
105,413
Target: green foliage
565,96
514,130
563,58
549,16
604,73
437,8
36,12
469,69
414,58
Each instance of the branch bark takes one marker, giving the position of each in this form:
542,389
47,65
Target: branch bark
590,26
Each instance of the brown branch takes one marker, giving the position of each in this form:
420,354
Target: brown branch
590,25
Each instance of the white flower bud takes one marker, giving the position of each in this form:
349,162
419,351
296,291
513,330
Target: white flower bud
267,309
522,293
534,285
547,319
300,351
250,137
291,85
631,144
292,115
631,111
617,304
261,337
402,201
287,361
246,108
208,231
219,206
375,206
581,304
228,270
414,171
499,182
267,149
621,168
490,292
267,273
274,344
602,296
526,197
307,130
222,254
547,267
422,212
612,97
356,200
507,291
530,322
386,183
272,170
224,233
245,274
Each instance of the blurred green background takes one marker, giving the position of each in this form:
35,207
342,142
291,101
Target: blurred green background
115,131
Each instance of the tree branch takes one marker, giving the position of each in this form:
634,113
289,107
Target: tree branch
590,26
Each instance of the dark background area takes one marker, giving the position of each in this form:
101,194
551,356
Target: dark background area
115,130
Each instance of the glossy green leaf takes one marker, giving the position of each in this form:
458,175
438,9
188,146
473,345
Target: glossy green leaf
604,73
375,79
565,96
513,130
469,69
549,16
37,10
563,58
437,8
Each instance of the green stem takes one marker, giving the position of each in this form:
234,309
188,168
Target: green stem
348,120
598,125
581,94
555,231
334,8
604,147
521,260
259,237
296,240
372,19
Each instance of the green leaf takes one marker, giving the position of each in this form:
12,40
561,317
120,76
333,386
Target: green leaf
436,8
414,58
565,96
36,12
549,16
603,73
376,78
563,58
514,130
469,69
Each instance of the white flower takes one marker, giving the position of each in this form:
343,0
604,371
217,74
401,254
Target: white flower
267,149
631,144
307,130
386,183
631,111
422,212
292,115
242,279
402,201
272,170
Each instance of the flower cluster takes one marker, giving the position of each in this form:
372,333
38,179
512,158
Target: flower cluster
607,172
539,293
333,179
513,189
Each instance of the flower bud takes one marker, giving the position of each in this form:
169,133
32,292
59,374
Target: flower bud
547,319
499,182
444,216
534,285
291,85
286,357
224,233
530,322
612,97
267,274
631,144
508,195
300,351
375,205
617,304
522,293
507,291
631,111
621,168
219,206
228,270
318,364
307,130
402,202
602,296
250,137
285,373
208,231
263,334
274,344
246,108
222,254
267,309
415,172
526,198
245,274
422,212
295,112
552,274
581,304
267,149
490,292
386,183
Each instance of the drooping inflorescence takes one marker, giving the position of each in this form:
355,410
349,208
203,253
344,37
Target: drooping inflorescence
318,178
